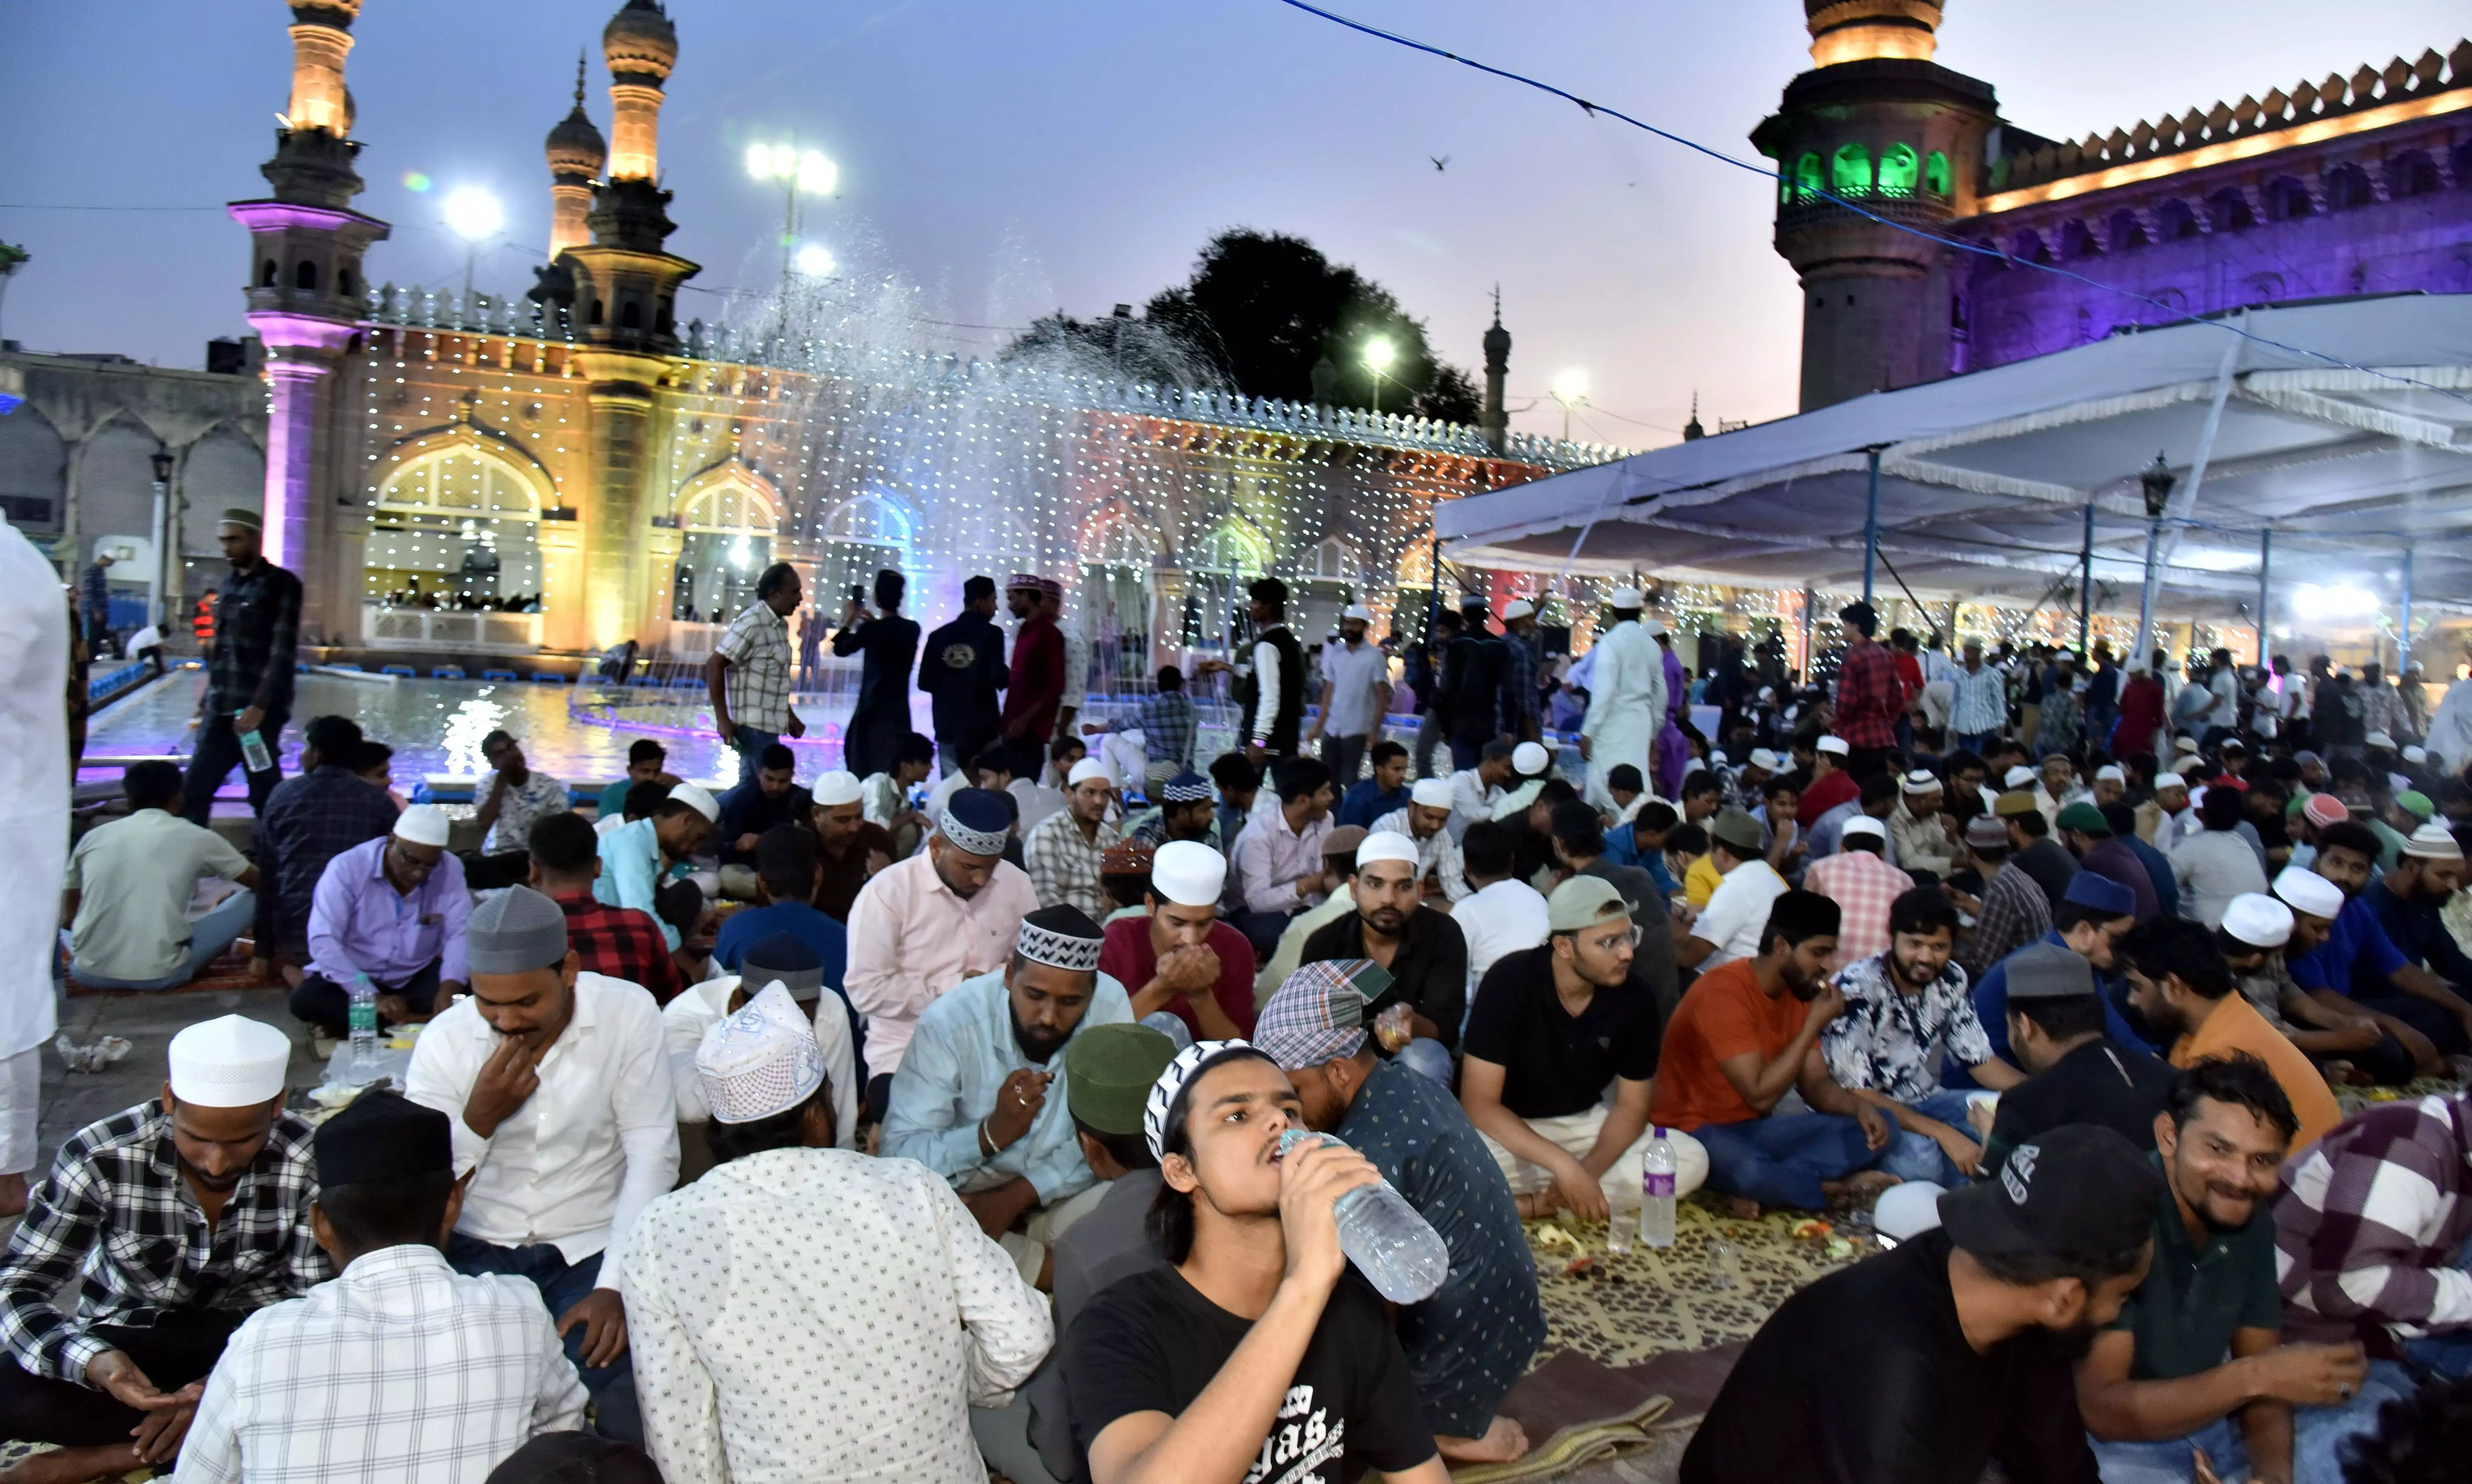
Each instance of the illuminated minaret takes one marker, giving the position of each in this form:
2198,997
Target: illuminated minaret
576,155
1495,421
305,300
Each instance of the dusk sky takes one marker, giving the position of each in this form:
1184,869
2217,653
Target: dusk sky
1016,156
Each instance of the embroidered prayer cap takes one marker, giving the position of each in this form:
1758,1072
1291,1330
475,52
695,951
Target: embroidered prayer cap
1109,1071
515,931
2079,1188
1319,1014
836,788
699,798
1186,1066
759,1060
1982,832
2257,920
1834,745
1126,857
1061,937
2099,893
1025,581
2047,970
1188,873
2324,809
230,1062
976,821
1431,794
1185,787
383,1136
1518,608
1735,830
1531,759
1583,902
2433,842
1863,824
422,824
1085,771
2413,802
785,959
1921,780
2166,779
1623,599
2304,891
2020,777
1386,845
2015,802
241,516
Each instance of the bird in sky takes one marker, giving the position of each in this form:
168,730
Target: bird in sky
1440,160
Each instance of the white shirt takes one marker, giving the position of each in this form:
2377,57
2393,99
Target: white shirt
1266,697
806,1314
1437,854
1504,918
33,793
1738,913
698,1007
592,1145
1356,679
401,1369
880,799
1471,800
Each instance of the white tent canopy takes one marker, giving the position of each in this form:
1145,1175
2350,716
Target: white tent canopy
1985,479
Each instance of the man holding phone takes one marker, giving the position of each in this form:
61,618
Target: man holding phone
887,642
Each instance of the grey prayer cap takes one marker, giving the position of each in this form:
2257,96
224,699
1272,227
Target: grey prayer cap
2047,970
515,932
787,958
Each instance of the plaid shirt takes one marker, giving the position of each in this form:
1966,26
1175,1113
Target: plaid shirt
1064,867
758,682
1862,885
1869,695
116,1213
1519,697
2371,1220
2015,912
620,942
1166,720
257,625
1981,702
309,820
1889,1042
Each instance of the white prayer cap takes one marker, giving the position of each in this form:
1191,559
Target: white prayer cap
1767,758
2186,746
2110,772
1717,757
2377,740
2135,667
1921,780
2304,891
1188,873
836,788
1863,824
1431,794
699,799
1086,769
2433,842
1656,629
1623,598
2163,781
1386,845
759,1061
422,824
233,1062
2415,755
2019,777
1364,615
2257,920
1531,759
1518,608
1832,743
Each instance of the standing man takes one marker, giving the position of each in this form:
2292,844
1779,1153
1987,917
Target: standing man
1869,695
889,642
35,819
1979,707
94,591
1271,691
1672,754
1522,649
747,676
1625,698
1355,696
248,670
1035,688
962,668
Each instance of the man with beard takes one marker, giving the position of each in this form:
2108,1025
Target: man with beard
2156,1384
849,846
1355,696
970,1100
2408,898
1906,1009
1418,947
1425,818
1185,813
2180,983
2359,968
2075,1073
1746,1033
1035,688
920,926
127,1210
2089,923
1923,1365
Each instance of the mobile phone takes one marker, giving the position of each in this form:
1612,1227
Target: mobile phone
858,593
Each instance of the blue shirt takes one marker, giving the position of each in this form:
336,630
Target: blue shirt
1365,801
959,1054
2357,958
751,926
747,809
2414,929
1991,1009
631,873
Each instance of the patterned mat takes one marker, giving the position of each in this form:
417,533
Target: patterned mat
227,970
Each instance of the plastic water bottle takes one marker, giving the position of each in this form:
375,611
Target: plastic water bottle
1656,1191
1397,1250
365,1026
253,755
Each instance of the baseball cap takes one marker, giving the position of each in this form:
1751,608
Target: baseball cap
1583,902
2079,1188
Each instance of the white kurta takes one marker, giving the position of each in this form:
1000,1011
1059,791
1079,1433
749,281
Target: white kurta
1626,704
34,814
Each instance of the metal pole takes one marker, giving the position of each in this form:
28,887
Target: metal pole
2265,588
1809,602
2146,590
1872,526
2086,583
2402,623
1434,605
155,574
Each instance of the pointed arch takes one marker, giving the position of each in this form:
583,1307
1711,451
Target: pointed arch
1232,545
729,497
464,468
1116,536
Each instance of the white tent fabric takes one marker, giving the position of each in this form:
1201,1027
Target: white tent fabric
1985,479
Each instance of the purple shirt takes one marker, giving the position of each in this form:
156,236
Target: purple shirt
360,924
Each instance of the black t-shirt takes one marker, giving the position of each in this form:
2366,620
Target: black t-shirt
2099,1082
1429,973
1553,1063
1865,1378
1152,1343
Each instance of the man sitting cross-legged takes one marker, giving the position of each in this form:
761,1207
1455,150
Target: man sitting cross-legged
970,1100
1418,947
1178,956
1552,1030
401,1368
1469,1341
1907,1009
177,1218
2075,1073
1747,1035
130,884
2158,1383
1426,818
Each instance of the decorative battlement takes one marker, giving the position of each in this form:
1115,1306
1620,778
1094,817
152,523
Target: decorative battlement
2357,103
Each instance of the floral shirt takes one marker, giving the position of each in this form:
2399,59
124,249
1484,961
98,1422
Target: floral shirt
1891,1042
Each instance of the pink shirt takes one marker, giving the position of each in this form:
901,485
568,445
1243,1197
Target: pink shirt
1863,885
911,940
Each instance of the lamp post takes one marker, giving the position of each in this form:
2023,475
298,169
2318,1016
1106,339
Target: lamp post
1571,390
2157,480
1379,353
474,215
798,173
156,578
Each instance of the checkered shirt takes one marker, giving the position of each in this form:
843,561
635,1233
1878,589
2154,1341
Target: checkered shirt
1064,867
1891,1042
115,1214
522,805
1167,723
757,683
1437,854
1862,885
2015,912
400,1369
2371,1221
1869,697
1149,827
258,627
620,942
1519,697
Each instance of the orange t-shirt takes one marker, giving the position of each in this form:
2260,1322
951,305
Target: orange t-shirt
1723,1015
2235,1026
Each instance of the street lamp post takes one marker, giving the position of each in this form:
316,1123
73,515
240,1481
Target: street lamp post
156,578
2156,482
475,216
798,173
1379,353
1571,390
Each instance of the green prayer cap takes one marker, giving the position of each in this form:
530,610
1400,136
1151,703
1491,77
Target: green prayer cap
2085,817
1109,1071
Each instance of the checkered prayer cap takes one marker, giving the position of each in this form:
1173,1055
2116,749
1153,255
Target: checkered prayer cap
1060,937
1171,1082
975,820
1185,787
760,1061
1319,1013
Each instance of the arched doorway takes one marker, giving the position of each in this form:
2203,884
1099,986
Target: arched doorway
456,530
727,518
1229,555
1115,615
866,534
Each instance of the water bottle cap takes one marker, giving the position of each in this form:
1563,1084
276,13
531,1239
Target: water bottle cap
1657,1129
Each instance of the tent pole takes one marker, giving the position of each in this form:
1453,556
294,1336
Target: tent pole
2403,621
1871,526
2085,582
1808,602
2264,587
1434,604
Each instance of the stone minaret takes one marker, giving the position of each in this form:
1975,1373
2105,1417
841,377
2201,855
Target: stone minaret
576,155
1879,124
305,299
1497,366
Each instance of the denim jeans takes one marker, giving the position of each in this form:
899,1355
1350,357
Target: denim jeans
209,937
750,745
563,1285
2317,1434
1915,1156
1781,1160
